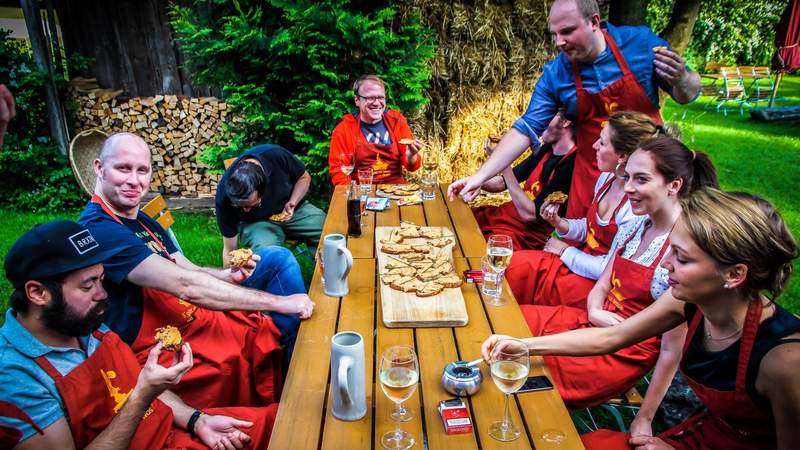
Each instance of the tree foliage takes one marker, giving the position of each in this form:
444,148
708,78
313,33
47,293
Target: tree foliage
727,31
287,68
36,177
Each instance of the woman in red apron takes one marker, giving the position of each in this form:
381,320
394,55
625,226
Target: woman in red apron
95,391
237,355
742,349
544,277
659,172
625,94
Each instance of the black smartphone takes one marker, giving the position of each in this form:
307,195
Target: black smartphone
537,383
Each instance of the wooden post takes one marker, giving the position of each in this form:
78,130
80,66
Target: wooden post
53,32
41,56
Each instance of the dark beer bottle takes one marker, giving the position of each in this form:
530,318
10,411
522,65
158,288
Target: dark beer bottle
353,211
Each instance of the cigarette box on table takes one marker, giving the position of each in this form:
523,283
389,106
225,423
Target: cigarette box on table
455,416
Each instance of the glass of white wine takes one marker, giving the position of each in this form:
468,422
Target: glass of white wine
510,366
498,253
399,376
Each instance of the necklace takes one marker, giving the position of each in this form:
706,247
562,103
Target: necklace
712,338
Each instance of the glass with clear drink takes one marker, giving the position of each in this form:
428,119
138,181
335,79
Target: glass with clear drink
399,375
510,367
499,250
429,185
365,179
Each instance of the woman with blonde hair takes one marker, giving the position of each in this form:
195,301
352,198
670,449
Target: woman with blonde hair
730,260
657,175
563,274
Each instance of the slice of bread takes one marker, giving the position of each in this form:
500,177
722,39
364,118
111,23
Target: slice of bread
429,290
450,280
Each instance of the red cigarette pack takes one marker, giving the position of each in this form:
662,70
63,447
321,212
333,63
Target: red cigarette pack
455,416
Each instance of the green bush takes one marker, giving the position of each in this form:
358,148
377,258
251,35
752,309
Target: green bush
736,32
36,177
286,68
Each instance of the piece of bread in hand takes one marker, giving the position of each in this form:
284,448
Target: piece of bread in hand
240,257
170,338
556,197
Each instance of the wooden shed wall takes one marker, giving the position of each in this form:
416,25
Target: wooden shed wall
132,45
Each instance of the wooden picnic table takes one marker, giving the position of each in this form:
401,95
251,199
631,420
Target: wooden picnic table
305,419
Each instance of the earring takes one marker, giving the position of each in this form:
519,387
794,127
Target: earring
726,285
619,171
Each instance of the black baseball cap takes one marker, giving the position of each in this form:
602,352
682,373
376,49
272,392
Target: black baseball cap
50,249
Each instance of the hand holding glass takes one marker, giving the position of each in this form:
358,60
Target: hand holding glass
510,367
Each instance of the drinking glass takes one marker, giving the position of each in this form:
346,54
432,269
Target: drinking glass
348,163
399,376
498,254
429,185
365,179
492,284
510,366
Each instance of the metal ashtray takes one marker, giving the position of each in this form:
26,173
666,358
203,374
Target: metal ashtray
461,378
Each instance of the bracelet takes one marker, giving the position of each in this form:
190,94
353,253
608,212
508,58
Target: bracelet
505,186
192,421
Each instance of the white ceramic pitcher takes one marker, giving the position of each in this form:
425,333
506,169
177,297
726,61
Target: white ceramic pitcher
337,261
347,376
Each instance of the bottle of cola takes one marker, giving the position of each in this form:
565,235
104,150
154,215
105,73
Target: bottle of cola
353,211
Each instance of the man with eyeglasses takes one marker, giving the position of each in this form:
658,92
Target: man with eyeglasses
372,137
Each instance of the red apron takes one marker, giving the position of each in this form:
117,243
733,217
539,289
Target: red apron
539,277
386,161
244,371
505,219
731,421
590,380
9,435
625,94
95,391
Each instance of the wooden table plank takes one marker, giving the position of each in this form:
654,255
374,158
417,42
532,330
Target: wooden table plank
466,227
487,404
436,347
304,392
436,216
385,338
356,313
508,319
336,217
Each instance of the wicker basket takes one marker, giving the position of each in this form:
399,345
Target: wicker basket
83,150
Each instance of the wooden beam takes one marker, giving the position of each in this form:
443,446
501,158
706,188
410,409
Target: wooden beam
41,57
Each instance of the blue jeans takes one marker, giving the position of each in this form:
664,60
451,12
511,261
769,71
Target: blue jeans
278,273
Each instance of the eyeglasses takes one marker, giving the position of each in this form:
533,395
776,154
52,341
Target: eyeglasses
380,99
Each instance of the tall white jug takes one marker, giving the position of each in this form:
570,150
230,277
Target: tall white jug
347,376
337,261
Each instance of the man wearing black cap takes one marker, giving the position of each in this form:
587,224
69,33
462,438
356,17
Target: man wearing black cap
66,381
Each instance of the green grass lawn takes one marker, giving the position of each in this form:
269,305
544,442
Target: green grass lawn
762,158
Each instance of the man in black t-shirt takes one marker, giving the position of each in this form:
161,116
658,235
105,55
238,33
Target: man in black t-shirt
261,201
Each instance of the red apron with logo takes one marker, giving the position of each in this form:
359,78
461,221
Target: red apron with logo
237,354
96,390
386,161
731,421
539,277
505,219
625,94
590,380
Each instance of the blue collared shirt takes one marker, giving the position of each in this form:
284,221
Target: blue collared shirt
25,384
556,86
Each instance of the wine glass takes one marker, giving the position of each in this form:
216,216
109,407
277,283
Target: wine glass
399,376
498,254
348,163
510,366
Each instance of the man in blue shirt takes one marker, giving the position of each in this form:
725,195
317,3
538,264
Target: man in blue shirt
67,382
601,69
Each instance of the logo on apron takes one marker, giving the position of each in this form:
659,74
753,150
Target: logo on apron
591,241
188,314
113,391
533,190
379,165
615,296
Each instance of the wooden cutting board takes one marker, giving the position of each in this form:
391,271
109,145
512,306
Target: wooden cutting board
406,310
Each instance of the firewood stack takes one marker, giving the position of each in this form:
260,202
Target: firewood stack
175,127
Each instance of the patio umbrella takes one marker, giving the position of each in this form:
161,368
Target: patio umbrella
787,41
